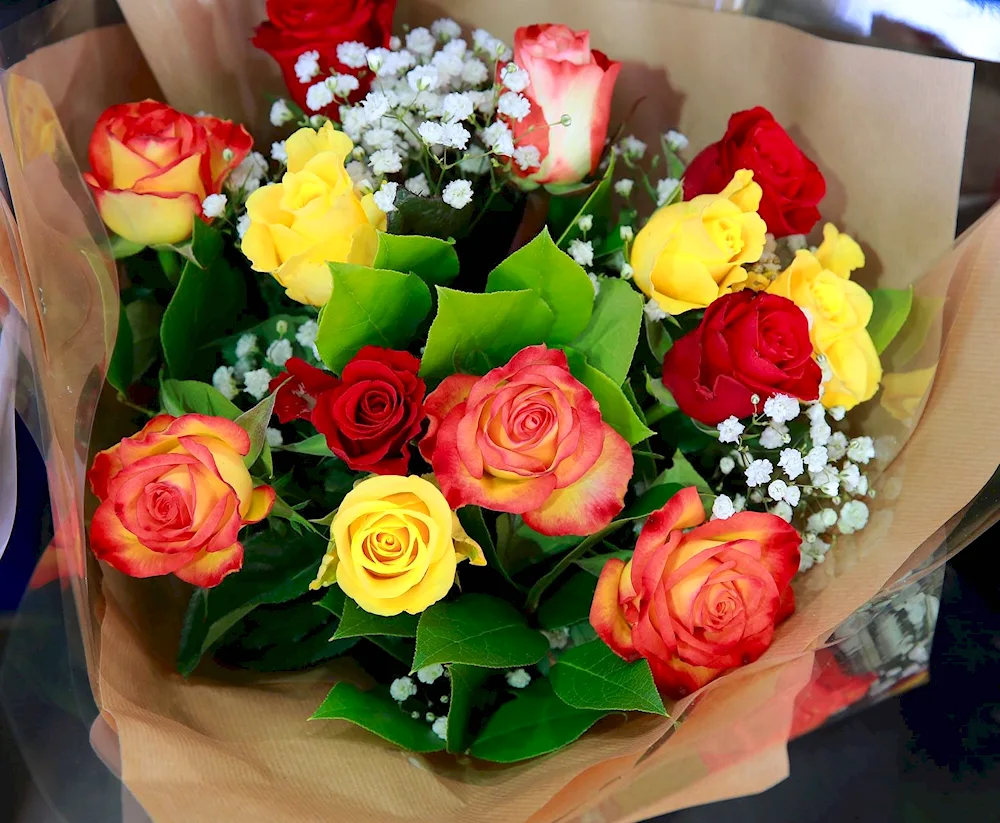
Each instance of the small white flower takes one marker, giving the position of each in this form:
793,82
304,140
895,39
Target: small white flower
440,727
242,224
514,77
723,508
518,679
861,449
528,157
514,105
273,437
826,480
353,54
243,365
654,311
793,496
727,464
379,138
474,72
739,502
457,106
499,138
759,472
280,113
582,251
558,638
862,488
423,78
353,121
457,194
771,438
317,121
632,147
376,59
343,84
819,433
812,551
837,445
418,185
319,96
246,345
385,161
279,351
307,66
791,461
627,271
446,29
278,152
817,458
595,281
374,106
837,412
430,717
585,223
817,523
850,477
624,187
782,510
627,233
305,336
421,41
430,674
449,66
815,412
247,176
666,189
796,242
402,689
214,205
853,517
430,132
225,382
385,197
675,140
730,430
777,490
358,172
781,408
454,136
256,383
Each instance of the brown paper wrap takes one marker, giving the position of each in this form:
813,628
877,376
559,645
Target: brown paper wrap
888,130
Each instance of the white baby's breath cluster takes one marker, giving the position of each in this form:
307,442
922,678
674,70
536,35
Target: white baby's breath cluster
416,696
658,172
788,459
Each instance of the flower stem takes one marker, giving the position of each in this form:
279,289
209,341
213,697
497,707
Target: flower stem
656,414
135,406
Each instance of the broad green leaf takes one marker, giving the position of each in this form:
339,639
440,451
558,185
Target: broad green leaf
428,216
303,654
179,397
122,248
610,338
477,630
315,445
534,723
356,622
595,565
683,474
378,713
565,212
473,333
465,680
569,604
144,318
275,570
205,303
433,260
471,518
659,392
333,600
594,677
519,547
556,278
254,422
657,338
206,244
615,408
909,342
655,498
120,365
890,308
542,584
400,648
369,307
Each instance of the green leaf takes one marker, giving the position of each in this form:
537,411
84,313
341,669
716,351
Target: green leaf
594,677
569,604
534,723
266,333
519,546
890,308
122,248
477,630
282,510
333,600
205,302
369,307
542,584
315,445
379,714
615,408
556,278
683,474
471,518
655,498
924,314
275,570
204,247
659,392
144,318
473,333
254,422
658,339
610,338
428,217
597,204
179,397
595,565
465,680
356,622
121,364
433,260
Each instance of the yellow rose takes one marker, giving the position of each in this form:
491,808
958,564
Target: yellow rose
395,545
838,311
688,254
311,218
839,253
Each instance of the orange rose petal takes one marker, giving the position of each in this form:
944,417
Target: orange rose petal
678,679
588,505
606,615
232,434
261,502
779,542
209,568
117,546
683,511
181,176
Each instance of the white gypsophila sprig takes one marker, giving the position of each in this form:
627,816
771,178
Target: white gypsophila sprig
853,517
527,157
861,450
457,194
585,223
280,113
274,437
421,41
423,78
214,205
793,496
817,459
430,674
582,251
727,464
850,477
626,233
723,508
654,311
758,473
499,139
595,281
790,461
820,432
418,185
781,408
247,176
475,72
666,189
402,689
446,29
730,430
224,382
375,106
279,351
385,161
440,727
514,78
632,147
624,187
454,136
242,224
246,345
385,197
307,65
319,96
353,54
256,383
305,335
773,437
457,106
518,678
675,140
514,105
278,152
777,489
837,445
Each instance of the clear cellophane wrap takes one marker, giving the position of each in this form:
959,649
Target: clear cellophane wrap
888,130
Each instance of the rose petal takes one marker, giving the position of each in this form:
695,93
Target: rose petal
208,569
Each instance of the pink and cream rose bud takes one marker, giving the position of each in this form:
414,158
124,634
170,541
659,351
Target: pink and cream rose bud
569,88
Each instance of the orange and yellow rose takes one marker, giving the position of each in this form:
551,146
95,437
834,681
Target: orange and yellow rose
152,166
174,498
395,545
697,598
528,438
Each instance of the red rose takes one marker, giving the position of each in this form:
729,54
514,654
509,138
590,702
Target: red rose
792,184
831,690
298,387
374,412
747,343
298,26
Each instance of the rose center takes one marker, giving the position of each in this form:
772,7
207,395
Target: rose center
376,406
531,420
829,298
164,505
728,236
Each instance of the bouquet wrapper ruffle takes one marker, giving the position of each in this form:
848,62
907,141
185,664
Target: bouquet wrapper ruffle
888,130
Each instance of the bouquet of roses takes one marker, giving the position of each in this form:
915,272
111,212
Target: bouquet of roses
488,424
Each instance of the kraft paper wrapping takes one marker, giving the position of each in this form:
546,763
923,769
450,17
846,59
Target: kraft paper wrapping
888,130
